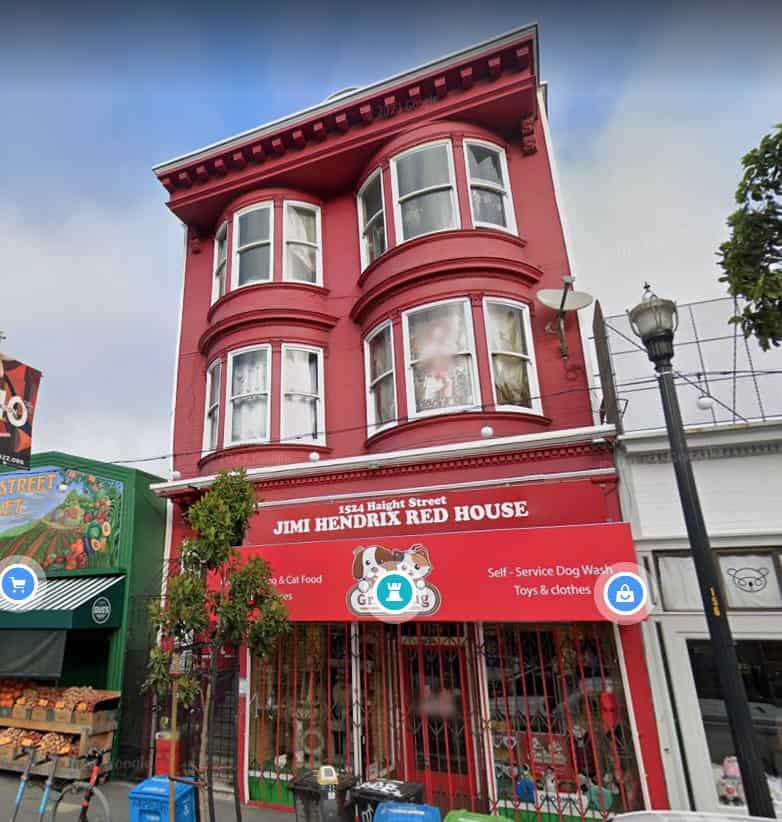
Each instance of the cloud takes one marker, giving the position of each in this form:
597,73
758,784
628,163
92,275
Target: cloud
647,197
92,301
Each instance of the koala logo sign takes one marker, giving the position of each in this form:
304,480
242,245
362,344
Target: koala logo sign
749,580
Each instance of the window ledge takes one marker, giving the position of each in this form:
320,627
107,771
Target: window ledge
275,451
289,285
472,418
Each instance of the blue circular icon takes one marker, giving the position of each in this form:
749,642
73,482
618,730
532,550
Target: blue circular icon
18,583
394,593
625,593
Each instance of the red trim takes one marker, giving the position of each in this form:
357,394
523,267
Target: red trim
643,711
241,712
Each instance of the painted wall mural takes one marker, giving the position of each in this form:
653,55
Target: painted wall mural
64,518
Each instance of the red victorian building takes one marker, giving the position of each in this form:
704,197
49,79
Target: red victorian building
359,331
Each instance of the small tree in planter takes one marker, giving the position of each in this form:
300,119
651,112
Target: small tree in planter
216,602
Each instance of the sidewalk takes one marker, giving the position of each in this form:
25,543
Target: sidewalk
117,795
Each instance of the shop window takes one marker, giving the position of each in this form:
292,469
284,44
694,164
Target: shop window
302,399
424,191
440,359
302,254
760,664
248,395
253,250
381,383
220,262
212,419
514,377
372,219
749,580
487,173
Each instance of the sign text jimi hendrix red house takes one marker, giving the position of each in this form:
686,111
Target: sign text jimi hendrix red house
360,332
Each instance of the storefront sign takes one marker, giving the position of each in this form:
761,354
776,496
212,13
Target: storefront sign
101,610
18,394
522,574
519,506
63,518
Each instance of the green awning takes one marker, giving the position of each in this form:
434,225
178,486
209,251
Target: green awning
72,602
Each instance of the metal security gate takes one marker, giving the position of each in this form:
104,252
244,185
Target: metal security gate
512,719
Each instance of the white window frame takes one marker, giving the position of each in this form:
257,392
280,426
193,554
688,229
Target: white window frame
268,204
507,196
285,437
409,381
215,365
215,262
318,245
229,409
452,188
362,228
372,425
532,370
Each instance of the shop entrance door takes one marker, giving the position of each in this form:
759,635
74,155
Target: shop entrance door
439,742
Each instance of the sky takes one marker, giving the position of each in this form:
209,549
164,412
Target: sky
651,107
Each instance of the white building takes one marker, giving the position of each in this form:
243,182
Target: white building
732,403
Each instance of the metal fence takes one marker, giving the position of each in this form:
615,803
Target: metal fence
721,376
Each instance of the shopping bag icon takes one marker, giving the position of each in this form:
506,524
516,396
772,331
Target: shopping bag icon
625,594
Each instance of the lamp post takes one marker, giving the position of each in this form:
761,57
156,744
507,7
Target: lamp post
655,322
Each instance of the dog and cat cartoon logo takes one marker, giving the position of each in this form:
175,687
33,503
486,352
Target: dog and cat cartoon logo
392,584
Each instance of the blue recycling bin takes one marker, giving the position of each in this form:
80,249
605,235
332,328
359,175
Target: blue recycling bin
405,812
149,801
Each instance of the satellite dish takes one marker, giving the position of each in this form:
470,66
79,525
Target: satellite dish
564,299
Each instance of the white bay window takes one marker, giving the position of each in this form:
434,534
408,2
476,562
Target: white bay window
424,191
212,415
248,384
302,252
381,383
253,257
487,175
303,417
372,223
440,359
513,372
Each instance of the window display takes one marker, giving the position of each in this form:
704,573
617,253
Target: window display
760,663
441,360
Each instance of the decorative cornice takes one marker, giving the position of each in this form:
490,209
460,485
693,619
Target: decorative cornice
713,452
338,121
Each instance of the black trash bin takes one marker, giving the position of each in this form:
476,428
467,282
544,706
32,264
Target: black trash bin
323,795
370,794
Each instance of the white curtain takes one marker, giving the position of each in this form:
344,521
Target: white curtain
302,394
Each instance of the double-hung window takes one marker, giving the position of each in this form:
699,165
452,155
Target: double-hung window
372,221
424,191
381,387
303,417
302,244
221,249
440,359
512,361
487,174
212,415
253,248
248,395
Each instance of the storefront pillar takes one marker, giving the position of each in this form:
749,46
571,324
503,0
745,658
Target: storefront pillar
641,709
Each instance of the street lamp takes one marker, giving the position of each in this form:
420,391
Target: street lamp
655,322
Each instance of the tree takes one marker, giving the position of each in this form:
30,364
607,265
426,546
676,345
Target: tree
218,601
752,257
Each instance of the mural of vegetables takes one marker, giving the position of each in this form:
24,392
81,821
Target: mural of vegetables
73,525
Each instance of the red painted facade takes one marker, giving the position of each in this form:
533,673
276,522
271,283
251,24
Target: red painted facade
323,158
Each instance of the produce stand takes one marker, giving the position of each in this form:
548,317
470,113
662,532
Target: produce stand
51,720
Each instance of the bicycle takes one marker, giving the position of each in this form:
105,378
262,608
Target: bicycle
94,806
23,779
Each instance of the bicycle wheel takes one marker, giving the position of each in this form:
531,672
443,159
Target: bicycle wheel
68,806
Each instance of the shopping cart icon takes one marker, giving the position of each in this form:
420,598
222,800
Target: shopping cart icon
18,584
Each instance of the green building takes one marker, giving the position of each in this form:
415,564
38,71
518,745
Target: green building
98,533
